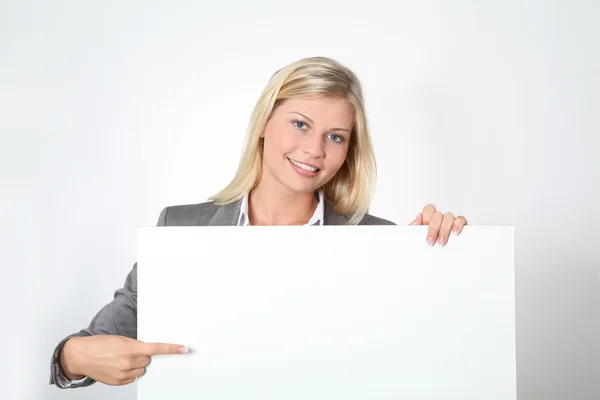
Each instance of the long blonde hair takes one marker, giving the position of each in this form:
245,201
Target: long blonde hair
351,189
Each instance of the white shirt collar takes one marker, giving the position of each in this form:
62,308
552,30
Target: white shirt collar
316,219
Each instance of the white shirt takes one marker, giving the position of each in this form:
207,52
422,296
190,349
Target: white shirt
317,218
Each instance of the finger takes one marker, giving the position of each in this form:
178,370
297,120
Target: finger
154,349
128,381
459,224
446,228
140,362
418,220
136,373
434,228
428,212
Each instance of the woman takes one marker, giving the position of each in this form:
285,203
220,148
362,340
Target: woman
308,160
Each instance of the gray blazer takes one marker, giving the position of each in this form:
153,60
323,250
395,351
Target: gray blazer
119,317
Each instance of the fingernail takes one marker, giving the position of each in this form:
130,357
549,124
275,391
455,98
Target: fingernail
455,230
430,241
182,349
442,240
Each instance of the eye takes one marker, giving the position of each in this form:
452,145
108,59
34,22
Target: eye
336,138
299,124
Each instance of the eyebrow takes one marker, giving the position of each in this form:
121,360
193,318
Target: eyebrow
311,121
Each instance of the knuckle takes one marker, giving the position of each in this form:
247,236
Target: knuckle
121,375
128,351
449,215
125,364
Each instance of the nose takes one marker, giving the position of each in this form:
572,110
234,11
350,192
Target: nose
313,146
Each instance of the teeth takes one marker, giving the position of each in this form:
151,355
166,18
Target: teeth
303,166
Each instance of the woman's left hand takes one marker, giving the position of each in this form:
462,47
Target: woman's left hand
440,225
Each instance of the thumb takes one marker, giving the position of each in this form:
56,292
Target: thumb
153,349
418,220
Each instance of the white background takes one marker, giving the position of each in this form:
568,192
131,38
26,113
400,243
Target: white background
110,111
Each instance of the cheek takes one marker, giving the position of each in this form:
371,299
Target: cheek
336,157
281,141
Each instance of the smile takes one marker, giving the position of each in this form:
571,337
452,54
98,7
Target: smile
305,170
303,166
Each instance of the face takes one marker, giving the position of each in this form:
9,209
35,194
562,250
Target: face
305,143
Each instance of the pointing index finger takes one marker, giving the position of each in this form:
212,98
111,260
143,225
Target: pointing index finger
153,349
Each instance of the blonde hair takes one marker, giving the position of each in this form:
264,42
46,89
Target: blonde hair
351,189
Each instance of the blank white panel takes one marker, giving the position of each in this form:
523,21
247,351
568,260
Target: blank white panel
327,313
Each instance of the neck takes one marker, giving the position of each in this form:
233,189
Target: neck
280,208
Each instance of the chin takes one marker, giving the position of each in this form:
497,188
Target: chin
302,188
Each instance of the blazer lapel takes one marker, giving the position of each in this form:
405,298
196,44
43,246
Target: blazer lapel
226,215
333,218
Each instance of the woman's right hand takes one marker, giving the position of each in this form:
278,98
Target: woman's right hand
111,359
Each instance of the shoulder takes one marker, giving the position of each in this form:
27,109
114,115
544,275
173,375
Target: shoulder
369,219
187,214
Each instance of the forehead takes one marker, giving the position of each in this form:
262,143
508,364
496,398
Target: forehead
322,110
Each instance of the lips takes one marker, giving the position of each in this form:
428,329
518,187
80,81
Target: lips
304,166
303,169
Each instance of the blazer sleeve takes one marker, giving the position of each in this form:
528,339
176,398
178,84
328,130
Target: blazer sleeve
119,317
